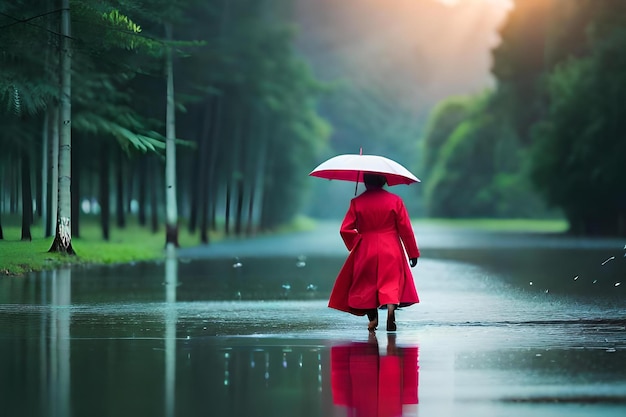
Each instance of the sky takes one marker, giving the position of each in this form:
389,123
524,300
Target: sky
420,51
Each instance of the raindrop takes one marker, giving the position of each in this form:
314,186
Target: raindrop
576,278
611,350
237,264
594,281
617,284
301,261
531,283
547,291
609,259
311,287
286,287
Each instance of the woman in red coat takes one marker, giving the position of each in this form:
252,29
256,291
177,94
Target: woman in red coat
377,231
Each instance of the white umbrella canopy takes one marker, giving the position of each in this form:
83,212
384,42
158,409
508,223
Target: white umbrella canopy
351,167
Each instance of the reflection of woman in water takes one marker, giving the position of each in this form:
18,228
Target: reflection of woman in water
371,384
376,273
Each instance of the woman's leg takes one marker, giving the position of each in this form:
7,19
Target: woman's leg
391,317
372,316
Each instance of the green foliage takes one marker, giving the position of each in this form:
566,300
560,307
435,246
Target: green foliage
237,54
25,86
120,21
93,123
444,119
268,128
458,186
122,32
288,180
560,82
478,169
579,148
519,64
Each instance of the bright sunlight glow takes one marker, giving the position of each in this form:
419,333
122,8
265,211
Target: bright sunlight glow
506,4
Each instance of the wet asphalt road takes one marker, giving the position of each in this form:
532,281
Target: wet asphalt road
509,324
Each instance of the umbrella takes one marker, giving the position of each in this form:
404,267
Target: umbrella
350,167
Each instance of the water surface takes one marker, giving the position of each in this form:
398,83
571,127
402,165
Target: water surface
508,324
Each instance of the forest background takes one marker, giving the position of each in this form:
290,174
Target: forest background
209,114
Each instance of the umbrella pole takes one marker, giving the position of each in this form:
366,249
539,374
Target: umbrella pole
358,174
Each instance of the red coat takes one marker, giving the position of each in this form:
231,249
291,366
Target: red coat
376,271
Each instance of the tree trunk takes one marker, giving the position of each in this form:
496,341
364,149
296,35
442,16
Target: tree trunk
75,192
234,168
239,178
171,232
63,237
50,117
206,162
38,180
27,197
45,186
1,205
141,191
13,188
120,211
227,210
208,201
239,207
129,181
196,180
258,162
154,201
105,192
53,128
265,219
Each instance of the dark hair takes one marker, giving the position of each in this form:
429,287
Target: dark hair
374,180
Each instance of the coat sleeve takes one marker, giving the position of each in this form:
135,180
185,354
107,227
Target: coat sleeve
349,232
405,230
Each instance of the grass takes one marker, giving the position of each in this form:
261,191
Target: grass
130,244
135,243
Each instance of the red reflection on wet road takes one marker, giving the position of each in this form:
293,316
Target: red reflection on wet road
371,383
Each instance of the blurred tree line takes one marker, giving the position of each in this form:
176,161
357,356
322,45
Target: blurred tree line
551,131
246,125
